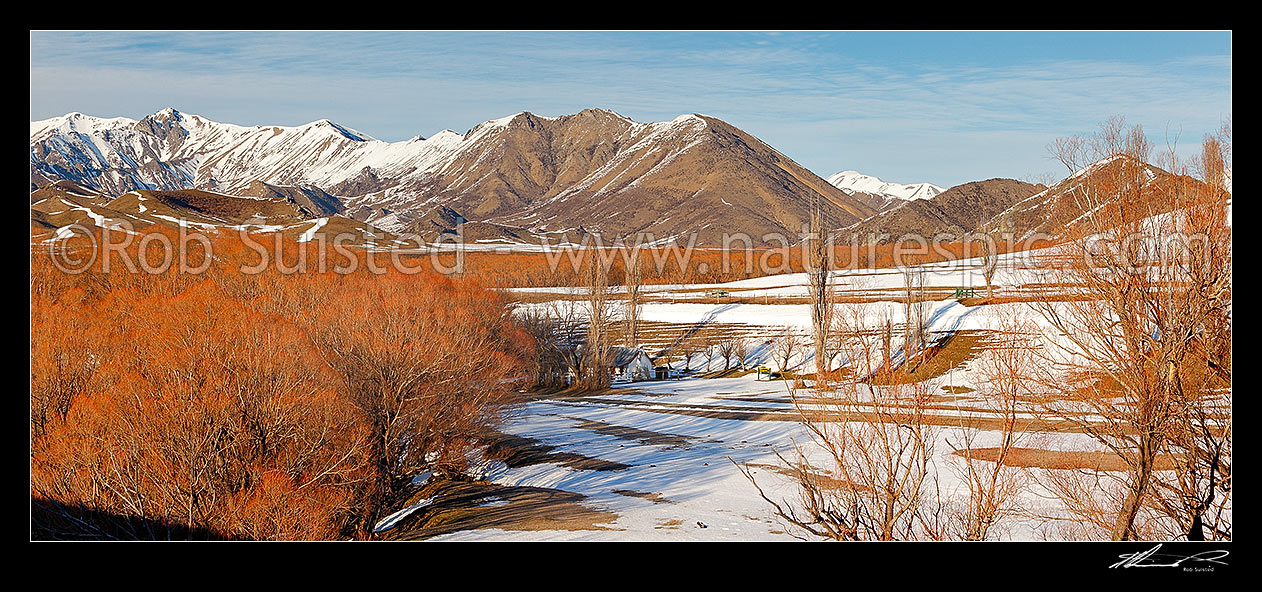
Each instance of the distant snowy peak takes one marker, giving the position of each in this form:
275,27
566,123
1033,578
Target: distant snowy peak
76,122
856,182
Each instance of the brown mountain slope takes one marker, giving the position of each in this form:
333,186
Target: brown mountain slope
608,174
1059,210
442,223
56,210
205,207
956,211
63,188
311,200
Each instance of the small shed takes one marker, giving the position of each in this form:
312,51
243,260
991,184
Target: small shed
631,365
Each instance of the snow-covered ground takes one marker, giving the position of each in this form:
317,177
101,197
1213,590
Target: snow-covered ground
693,491
689,489
685,485
696,482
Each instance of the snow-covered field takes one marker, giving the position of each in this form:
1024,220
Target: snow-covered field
696,491
684,486
1013,270
695,482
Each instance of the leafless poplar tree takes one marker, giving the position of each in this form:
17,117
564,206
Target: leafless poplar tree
634,297
989,255
887,341
741,351
596,362
818,258
916,311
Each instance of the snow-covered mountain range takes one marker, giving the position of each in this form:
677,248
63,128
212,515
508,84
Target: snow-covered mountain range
594,170
511,179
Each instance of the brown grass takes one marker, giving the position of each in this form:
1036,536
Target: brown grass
1048,293
652,496
756,414
948,353
1062,459
818,475
520,451
456,508
632,434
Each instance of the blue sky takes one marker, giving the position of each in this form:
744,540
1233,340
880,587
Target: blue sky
907,106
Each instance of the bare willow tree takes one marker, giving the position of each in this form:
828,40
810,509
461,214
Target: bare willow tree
741,351
1140,348
710,345
1199,445
785,347
63,366
686,345
548,368
991,483
730,345
559,329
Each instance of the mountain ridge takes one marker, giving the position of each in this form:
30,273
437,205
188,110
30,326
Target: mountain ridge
513,179
595,169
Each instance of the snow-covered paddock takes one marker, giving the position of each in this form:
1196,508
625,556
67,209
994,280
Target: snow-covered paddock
689,488
685,486
1013,270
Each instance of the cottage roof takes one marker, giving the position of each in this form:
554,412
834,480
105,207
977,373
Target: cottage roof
625,355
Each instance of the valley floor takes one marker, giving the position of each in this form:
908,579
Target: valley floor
655,461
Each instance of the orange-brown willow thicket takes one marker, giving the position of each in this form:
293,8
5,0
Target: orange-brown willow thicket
266,406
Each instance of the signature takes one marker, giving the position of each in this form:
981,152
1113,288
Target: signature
1151,558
